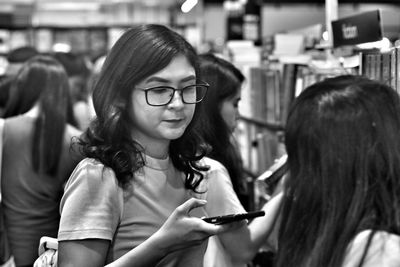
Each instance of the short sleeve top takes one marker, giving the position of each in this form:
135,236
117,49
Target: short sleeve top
95,206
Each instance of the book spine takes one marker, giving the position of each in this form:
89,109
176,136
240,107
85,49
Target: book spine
288,89
386,65
393,68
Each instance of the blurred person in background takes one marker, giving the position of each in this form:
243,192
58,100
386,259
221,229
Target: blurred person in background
220,115
218,120
15,60
37,157
79,70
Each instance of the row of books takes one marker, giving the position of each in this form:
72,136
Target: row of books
271,90
259,146
382,66
265,103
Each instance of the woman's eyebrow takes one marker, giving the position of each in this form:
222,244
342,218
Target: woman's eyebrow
189,78
164,80
156,79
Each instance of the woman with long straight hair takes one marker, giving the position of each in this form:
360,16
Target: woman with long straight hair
342,197
37,158
220,117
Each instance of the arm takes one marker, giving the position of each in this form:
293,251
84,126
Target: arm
178,232
254,235
241,244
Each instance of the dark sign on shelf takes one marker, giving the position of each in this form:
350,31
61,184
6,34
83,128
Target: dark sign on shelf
362,28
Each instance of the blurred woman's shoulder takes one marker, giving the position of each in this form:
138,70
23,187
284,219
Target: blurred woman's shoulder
383,251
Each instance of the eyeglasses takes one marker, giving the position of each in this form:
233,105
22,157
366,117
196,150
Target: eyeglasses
163,95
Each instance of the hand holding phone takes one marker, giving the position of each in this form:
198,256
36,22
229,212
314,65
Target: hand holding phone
233,217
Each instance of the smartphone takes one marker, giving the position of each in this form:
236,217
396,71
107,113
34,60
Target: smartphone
234,217
273,175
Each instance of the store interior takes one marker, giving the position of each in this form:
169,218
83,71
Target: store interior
204,21
253,34
280,46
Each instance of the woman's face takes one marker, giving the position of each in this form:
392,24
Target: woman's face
230,110
161,124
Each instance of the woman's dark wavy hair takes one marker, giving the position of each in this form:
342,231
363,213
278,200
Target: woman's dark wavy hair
343,145
140,52
43,80
225,82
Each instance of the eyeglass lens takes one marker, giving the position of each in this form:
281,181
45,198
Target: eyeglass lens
163,95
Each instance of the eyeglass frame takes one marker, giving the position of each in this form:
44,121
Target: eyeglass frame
146,90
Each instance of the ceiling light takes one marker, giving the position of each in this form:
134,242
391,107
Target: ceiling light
188,5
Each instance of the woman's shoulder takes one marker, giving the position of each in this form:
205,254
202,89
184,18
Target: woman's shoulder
383,251
216,173
213,164
18,122
91,165
92,171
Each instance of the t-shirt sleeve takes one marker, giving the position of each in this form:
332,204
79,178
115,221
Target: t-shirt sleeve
220,196
384,250
91,206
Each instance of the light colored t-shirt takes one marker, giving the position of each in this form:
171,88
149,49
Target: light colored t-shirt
94,206
384,250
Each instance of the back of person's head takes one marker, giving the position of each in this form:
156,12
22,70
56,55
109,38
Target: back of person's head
225,82
140,52
78,68
75,64
43,81
18,56
22,54
343,145
15,60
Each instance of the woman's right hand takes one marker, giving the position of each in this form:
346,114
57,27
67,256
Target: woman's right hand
181,230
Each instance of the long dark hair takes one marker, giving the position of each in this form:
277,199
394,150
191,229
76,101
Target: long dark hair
43,80
343,145
140,52
225,82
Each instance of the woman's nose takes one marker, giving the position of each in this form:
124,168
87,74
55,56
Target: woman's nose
177,100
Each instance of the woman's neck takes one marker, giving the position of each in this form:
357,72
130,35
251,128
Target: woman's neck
160,153
153,147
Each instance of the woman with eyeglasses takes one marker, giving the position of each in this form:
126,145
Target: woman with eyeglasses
122,206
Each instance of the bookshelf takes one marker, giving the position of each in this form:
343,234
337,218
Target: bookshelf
382,66
272,83
266,99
